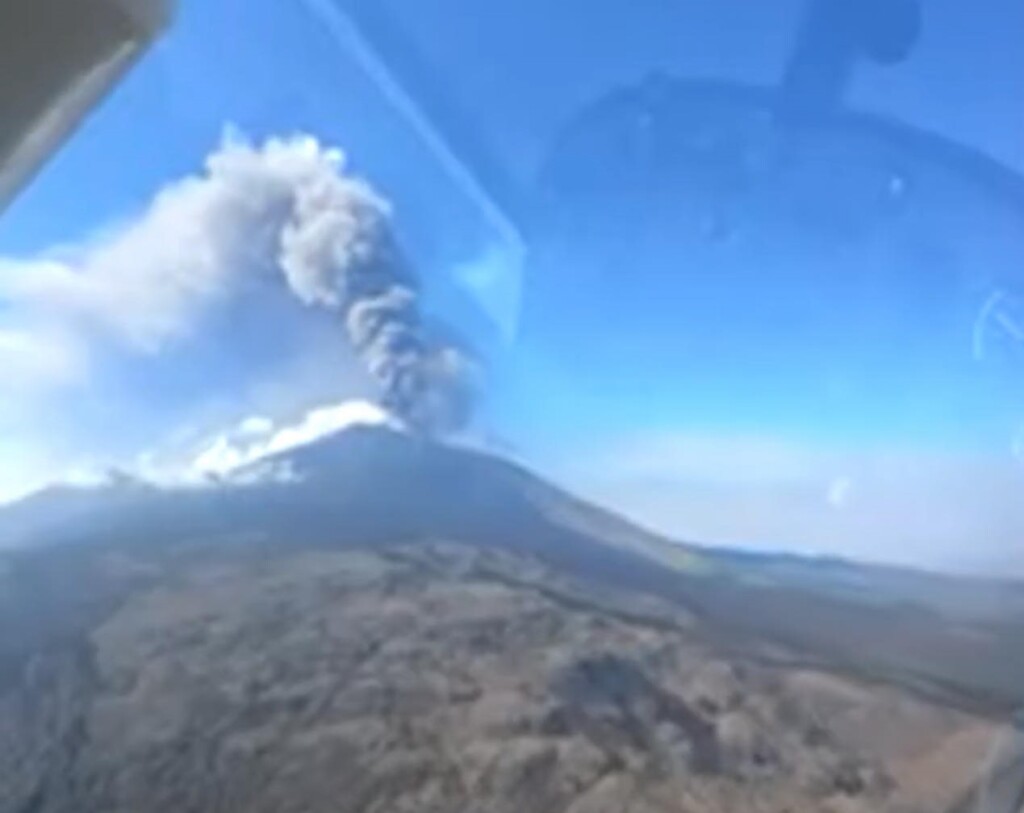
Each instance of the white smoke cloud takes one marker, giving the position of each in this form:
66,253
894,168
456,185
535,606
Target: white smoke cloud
147,282
32,359
257,439
255,425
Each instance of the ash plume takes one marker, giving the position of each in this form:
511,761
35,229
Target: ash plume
286,207
337,250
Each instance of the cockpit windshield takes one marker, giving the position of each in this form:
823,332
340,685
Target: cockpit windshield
749,276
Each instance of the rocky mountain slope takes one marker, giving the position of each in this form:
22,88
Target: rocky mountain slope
398,626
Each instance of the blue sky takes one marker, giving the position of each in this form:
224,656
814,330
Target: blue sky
826,409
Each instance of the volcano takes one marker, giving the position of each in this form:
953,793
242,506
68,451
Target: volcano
379,622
